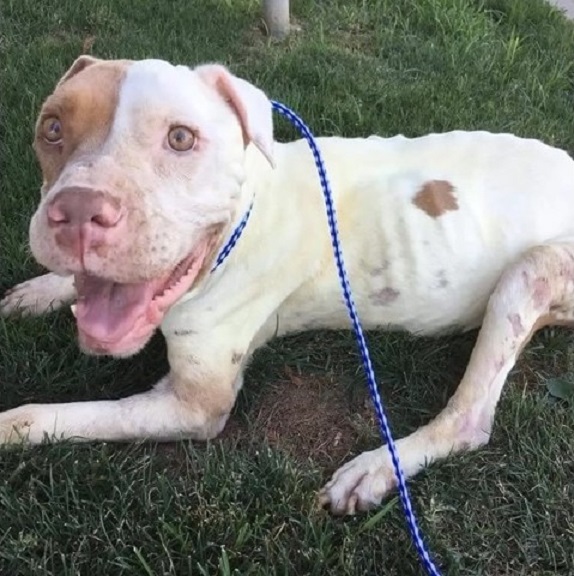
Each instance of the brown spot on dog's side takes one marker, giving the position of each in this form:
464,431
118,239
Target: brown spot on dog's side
435,198
516,322
384,297
84,101
236,357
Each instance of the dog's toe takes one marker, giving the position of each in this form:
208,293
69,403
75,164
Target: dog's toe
359,485
11,301
15,425
38,295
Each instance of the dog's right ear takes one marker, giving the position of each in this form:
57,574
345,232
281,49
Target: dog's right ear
250,105
81,63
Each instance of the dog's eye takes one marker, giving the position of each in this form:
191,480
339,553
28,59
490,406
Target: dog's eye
52,130
181,139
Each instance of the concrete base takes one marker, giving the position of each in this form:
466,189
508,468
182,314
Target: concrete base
566,5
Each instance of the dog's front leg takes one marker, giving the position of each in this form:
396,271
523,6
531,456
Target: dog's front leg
536,291
39,295
174,409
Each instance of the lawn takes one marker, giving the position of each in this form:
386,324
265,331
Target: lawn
245,504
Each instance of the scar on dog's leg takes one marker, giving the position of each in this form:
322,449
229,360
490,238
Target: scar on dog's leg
39,295
538,290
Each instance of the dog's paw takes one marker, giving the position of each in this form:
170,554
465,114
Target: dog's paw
38,295
359,485
15,425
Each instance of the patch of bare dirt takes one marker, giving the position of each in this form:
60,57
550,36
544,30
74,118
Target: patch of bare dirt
307,416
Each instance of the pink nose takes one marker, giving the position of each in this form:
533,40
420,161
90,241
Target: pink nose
84,218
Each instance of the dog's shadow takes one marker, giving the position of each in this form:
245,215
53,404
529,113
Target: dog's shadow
304,394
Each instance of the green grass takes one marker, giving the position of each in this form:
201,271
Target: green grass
245,504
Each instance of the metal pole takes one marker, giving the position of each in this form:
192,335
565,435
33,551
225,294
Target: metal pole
276,16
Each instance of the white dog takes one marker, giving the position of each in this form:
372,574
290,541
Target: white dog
149,167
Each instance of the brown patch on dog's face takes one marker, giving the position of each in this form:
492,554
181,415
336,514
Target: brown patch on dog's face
436,197
83,103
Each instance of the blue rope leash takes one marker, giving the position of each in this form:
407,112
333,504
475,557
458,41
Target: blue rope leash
382,418
416,536
229,245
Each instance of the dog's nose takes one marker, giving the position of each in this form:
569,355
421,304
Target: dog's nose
84,218
81,206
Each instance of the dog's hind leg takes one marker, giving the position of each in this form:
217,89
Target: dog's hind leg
536,291
38,295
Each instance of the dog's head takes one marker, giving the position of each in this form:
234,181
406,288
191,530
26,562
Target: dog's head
143,166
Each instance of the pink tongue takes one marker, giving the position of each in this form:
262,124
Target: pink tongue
106,311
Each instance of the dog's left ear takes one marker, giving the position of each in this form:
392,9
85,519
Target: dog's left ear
251,106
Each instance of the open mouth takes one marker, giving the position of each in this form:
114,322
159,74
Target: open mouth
118,319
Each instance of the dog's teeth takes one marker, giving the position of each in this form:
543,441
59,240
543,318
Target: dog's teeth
73,309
